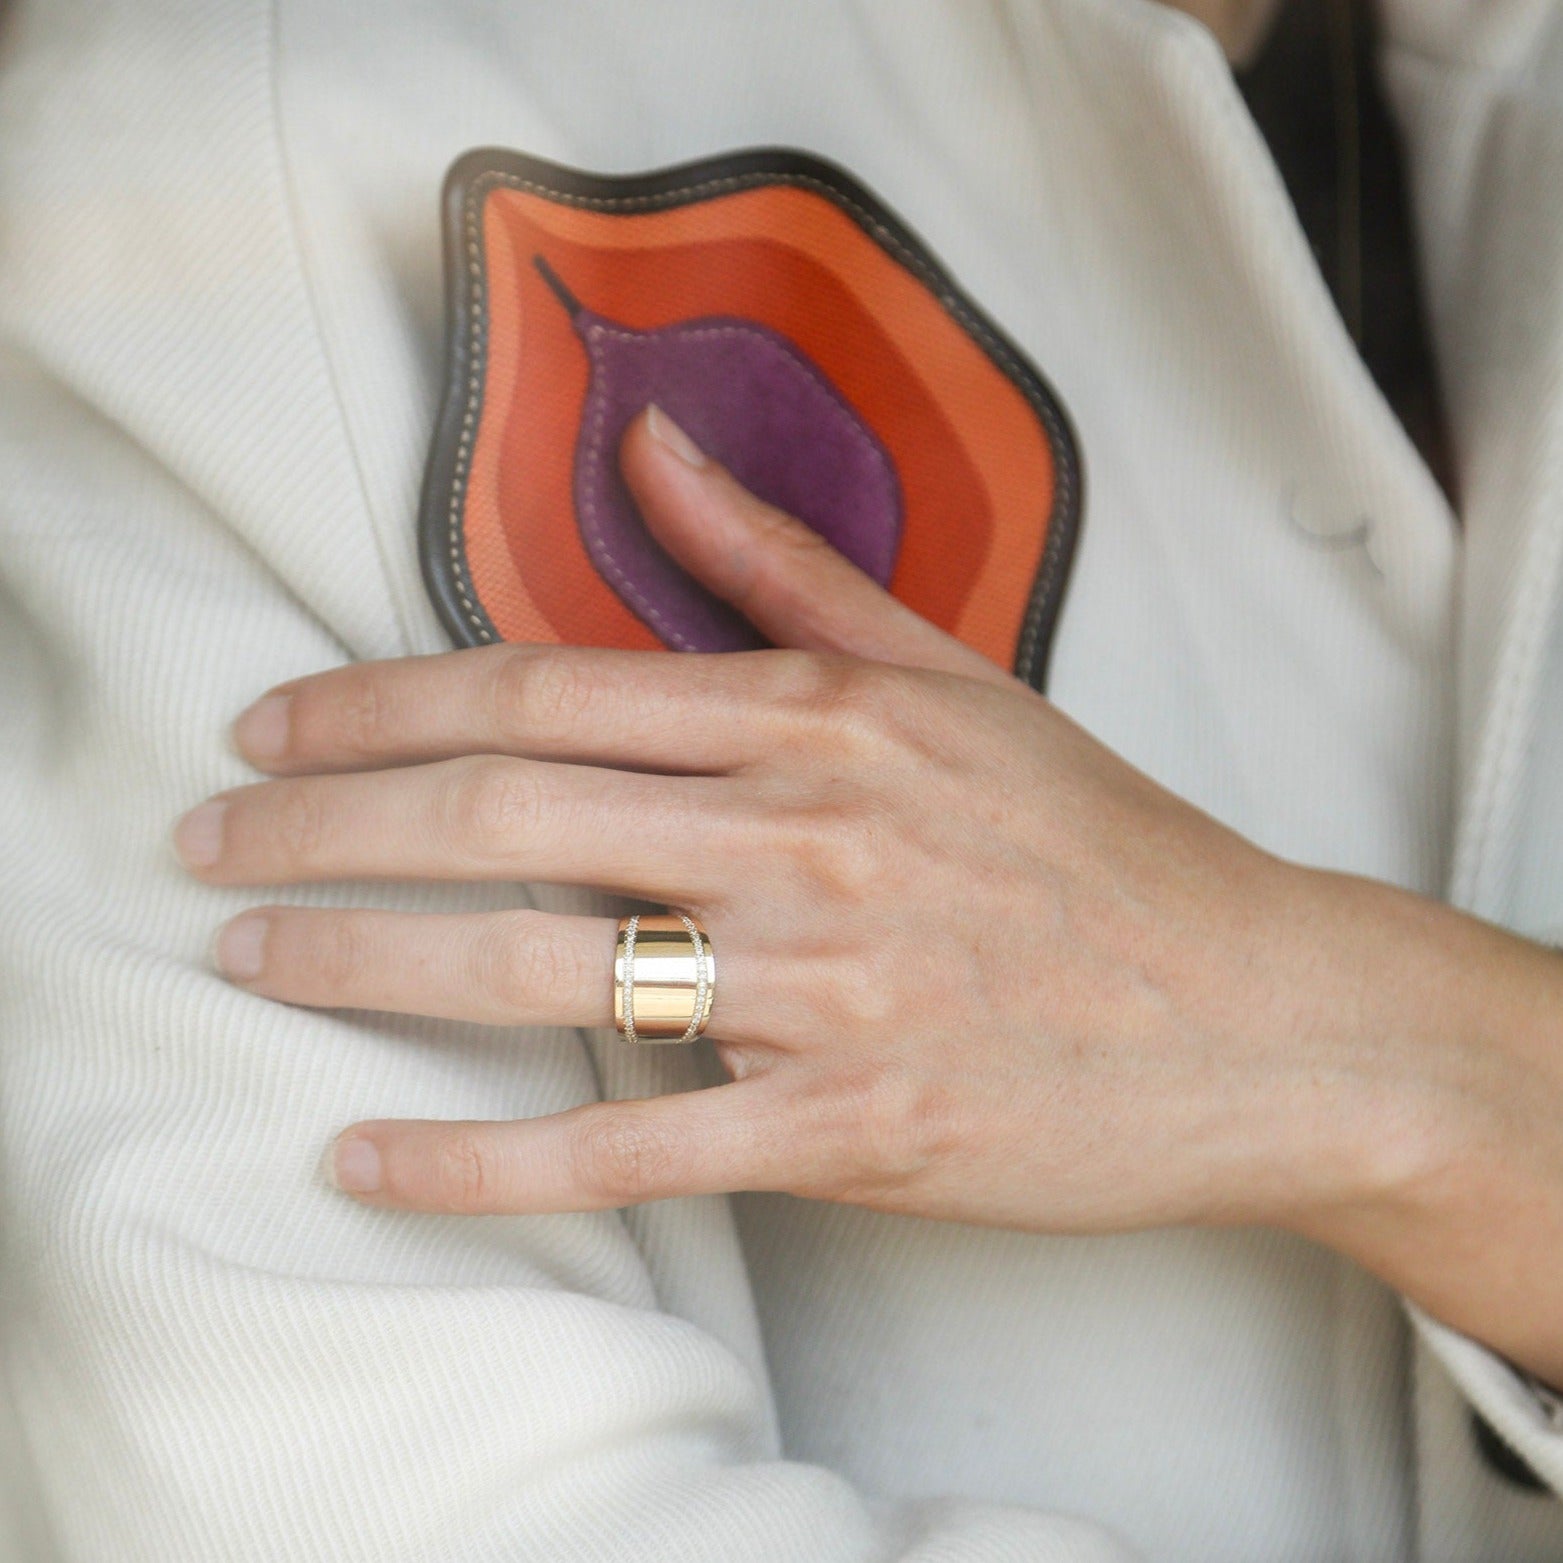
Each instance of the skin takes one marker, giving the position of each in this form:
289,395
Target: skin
996,975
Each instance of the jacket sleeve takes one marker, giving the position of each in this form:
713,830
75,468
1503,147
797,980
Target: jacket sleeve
209,1355
1516,1423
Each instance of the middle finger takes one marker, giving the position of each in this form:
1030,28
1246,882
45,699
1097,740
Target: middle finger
481,817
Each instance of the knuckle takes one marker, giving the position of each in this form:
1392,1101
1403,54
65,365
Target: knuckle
492,803
625,1157
804,681
460,1171
340,954
863,710
839,851
884,714
789,545
850,708
299,823
846,706
893,1123
524,970
841,682
858,991
535,692
837,703
356,719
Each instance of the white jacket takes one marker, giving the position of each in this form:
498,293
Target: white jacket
220,358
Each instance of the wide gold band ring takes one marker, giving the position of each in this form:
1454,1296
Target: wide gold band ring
664,978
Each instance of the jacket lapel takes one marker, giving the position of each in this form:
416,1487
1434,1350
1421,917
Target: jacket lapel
1480,95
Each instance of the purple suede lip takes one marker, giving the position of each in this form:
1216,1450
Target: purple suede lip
755,403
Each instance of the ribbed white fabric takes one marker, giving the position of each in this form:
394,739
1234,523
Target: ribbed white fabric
219,359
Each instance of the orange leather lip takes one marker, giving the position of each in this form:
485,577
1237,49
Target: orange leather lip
810,319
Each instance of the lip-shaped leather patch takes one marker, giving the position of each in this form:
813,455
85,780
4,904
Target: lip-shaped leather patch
802,335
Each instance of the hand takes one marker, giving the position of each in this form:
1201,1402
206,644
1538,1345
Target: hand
972,965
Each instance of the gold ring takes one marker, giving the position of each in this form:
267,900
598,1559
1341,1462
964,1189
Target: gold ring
664,978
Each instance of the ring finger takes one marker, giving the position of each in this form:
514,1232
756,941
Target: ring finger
514,968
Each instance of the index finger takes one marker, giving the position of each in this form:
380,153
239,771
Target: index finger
664,711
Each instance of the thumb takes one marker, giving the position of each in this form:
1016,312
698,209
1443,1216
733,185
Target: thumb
779,573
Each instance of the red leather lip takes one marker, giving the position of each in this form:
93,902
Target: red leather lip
985,462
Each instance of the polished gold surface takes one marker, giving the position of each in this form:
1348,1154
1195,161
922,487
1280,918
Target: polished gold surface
664,978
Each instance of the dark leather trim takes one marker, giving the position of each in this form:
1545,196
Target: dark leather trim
442,550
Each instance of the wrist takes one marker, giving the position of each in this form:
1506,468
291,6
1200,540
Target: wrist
1445,1175
1391,1005
1344,1101
1330,1096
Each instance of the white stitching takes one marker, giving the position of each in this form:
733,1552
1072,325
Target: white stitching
596,453
594,445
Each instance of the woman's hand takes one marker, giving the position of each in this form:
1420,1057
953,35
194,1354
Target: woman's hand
972,965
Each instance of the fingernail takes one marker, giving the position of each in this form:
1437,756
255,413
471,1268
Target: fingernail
662,429
261,732
240,950
354,1166
198,837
